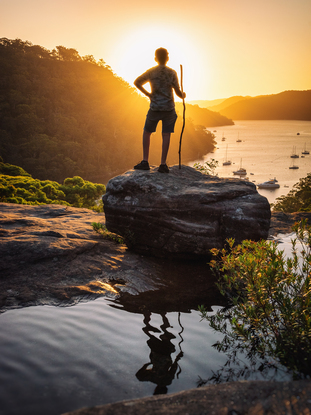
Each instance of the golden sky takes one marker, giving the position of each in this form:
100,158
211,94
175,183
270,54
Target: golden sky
226,47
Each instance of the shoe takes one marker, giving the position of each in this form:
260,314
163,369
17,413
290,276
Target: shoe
163,168
143,165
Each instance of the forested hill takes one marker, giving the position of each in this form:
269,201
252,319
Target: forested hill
288,105
203,116
63,115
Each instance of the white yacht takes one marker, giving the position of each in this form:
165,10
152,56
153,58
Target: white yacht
269,184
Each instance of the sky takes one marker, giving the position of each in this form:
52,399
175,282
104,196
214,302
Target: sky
226,48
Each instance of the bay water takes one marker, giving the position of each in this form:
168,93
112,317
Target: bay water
265,152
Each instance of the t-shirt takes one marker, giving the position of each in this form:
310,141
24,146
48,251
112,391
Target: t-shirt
162,80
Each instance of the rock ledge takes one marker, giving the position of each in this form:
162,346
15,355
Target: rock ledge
185,213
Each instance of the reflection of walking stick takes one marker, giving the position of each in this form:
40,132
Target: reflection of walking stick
180,354
184,120
180,333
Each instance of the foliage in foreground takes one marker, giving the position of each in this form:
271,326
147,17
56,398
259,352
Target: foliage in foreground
298,199
269,318
208,167
103,231
17,186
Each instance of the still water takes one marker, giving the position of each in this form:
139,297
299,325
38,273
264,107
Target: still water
264,151
57,359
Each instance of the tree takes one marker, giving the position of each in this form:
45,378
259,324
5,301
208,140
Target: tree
298,199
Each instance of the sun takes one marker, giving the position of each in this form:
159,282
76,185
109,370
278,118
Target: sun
134,54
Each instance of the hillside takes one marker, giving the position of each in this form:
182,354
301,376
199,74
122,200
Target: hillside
63,115
218,104
227,102
203,116
288,105
205,103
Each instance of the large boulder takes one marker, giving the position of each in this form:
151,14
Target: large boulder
185,213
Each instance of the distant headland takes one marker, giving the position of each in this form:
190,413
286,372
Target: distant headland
287,105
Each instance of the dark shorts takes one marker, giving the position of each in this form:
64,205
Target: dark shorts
168,119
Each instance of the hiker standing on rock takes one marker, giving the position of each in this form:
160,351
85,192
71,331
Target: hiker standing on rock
163,81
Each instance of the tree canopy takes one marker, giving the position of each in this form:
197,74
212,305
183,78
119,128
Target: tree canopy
63,115
298,199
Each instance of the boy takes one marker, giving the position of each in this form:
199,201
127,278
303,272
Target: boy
163,81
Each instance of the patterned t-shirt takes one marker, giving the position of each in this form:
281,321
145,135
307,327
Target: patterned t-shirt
162,80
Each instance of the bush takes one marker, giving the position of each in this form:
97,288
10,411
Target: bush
270,303
26,190
11,170
298,199
208,167
103,231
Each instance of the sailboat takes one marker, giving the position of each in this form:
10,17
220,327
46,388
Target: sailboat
241,171
294,155
305,151
226,162
223,137
238,140
293,166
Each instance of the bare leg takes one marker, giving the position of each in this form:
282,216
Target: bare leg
165,146
146,145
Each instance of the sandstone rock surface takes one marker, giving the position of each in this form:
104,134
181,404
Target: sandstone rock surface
50,254
234,398
184,213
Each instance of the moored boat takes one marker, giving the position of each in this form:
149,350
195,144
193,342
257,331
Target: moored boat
293,166
226,162
294,154
305,151
269,184
241,171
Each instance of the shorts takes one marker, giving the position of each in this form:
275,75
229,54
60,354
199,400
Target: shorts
168,119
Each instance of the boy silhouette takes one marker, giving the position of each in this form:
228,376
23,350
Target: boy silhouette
163,80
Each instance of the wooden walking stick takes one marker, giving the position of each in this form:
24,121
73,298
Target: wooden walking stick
184,119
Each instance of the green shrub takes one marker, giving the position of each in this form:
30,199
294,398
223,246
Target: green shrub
270,303
208,167
103,231
26,190
298,199
11,170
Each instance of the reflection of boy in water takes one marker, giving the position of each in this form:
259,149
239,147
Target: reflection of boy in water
163,369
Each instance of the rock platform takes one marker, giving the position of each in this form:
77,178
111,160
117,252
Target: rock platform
185,213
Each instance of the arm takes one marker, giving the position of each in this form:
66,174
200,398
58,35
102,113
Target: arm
176,87
139,85
179,93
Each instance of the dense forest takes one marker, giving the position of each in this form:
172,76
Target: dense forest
63,115
288,105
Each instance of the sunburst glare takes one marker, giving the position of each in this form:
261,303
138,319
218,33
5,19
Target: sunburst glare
134,54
